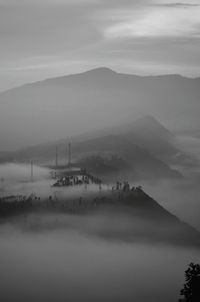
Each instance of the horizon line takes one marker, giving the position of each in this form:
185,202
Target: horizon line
105,68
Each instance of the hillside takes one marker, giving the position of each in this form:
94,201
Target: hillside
141,216
118,215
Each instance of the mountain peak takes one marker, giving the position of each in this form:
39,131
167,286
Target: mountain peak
152,127
101,70
149,120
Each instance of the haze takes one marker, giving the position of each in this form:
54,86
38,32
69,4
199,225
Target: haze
66,264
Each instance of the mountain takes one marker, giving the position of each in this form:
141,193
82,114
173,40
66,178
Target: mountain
145,132
141,149
142,163
70,105
136,216
107,156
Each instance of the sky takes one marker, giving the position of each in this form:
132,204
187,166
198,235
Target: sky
48,38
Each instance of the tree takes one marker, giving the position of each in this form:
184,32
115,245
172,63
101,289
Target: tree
191,289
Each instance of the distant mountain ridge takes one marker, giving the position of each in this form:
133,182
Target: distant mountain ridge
70,105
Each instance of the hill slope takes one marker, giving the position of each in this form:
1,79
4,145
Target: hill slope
125,216
144,219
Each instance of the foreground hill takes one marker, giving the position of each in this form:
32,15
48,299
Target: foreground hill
70,105
119,215
144,219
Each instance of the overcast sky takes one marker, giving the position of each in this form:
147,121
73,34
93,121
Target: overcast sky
47,38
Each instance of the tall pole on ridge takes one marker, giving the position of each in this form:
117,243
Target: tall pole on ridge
69,154
2,187
56,157
31,170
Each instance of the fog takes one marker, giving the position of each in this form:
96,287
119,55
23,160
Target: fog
189,143
96,257
181,197
65,264
16,179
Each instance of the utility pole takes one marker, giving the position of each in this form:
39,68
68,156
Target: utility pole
69,155
2,187
56,157
31,171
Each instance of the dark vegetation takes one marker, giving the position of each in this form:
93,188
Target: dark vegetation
105,166
143,218
191,290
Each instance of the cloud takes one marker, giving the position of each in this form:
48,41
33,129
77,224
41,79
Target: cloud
155,21
180,4
174,3
46,2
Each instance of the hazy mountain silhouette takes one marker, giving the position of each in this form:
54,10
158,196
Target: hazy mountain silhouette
145,132
71,105
141,162
146,135
115,154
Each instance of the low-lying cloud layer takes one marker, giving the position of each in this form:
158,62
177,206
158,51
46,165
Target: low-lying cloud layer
86,258
66,265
